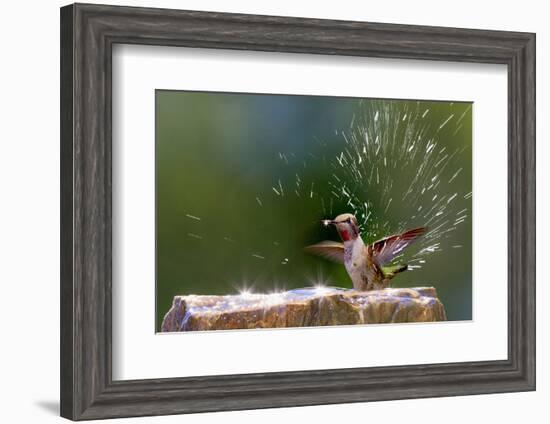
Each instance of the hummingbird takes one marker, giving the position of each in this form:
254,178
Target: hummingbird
367,265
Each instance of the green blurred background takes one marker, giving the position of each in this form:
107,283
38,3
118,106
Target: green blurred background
224,223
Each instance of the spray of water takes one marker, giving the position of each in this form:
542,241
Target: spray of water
396,171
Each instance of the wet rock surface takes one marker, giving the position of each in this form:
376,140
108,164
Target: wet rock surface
303,308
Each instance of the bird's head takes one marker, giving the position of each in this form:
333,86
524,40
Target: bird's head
346,224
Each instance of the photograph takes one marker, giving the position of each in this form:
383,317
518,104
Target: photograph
277,211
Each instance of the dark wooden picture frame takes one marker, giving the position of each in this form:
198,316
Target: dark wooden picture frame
88,33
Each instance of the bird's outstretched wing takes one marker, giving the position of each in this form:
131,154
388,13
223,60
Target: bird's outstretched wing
386,249
331,250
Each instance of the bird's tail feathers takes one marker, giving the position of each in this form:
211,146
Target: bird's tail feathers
391,271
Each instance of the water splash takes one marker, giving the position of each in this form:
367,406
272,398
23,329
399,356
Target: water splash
395,171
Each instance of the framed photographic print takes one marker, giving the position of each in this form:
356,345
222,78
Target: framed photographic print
268,211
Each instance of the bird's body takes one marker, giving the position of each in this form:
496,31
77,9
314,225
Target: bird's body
367,265
363,272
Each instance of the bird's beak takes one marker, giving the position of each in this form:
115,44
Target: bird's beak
327,222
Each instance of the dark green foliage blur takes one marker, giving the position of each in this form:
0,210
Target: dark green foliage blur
223,223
